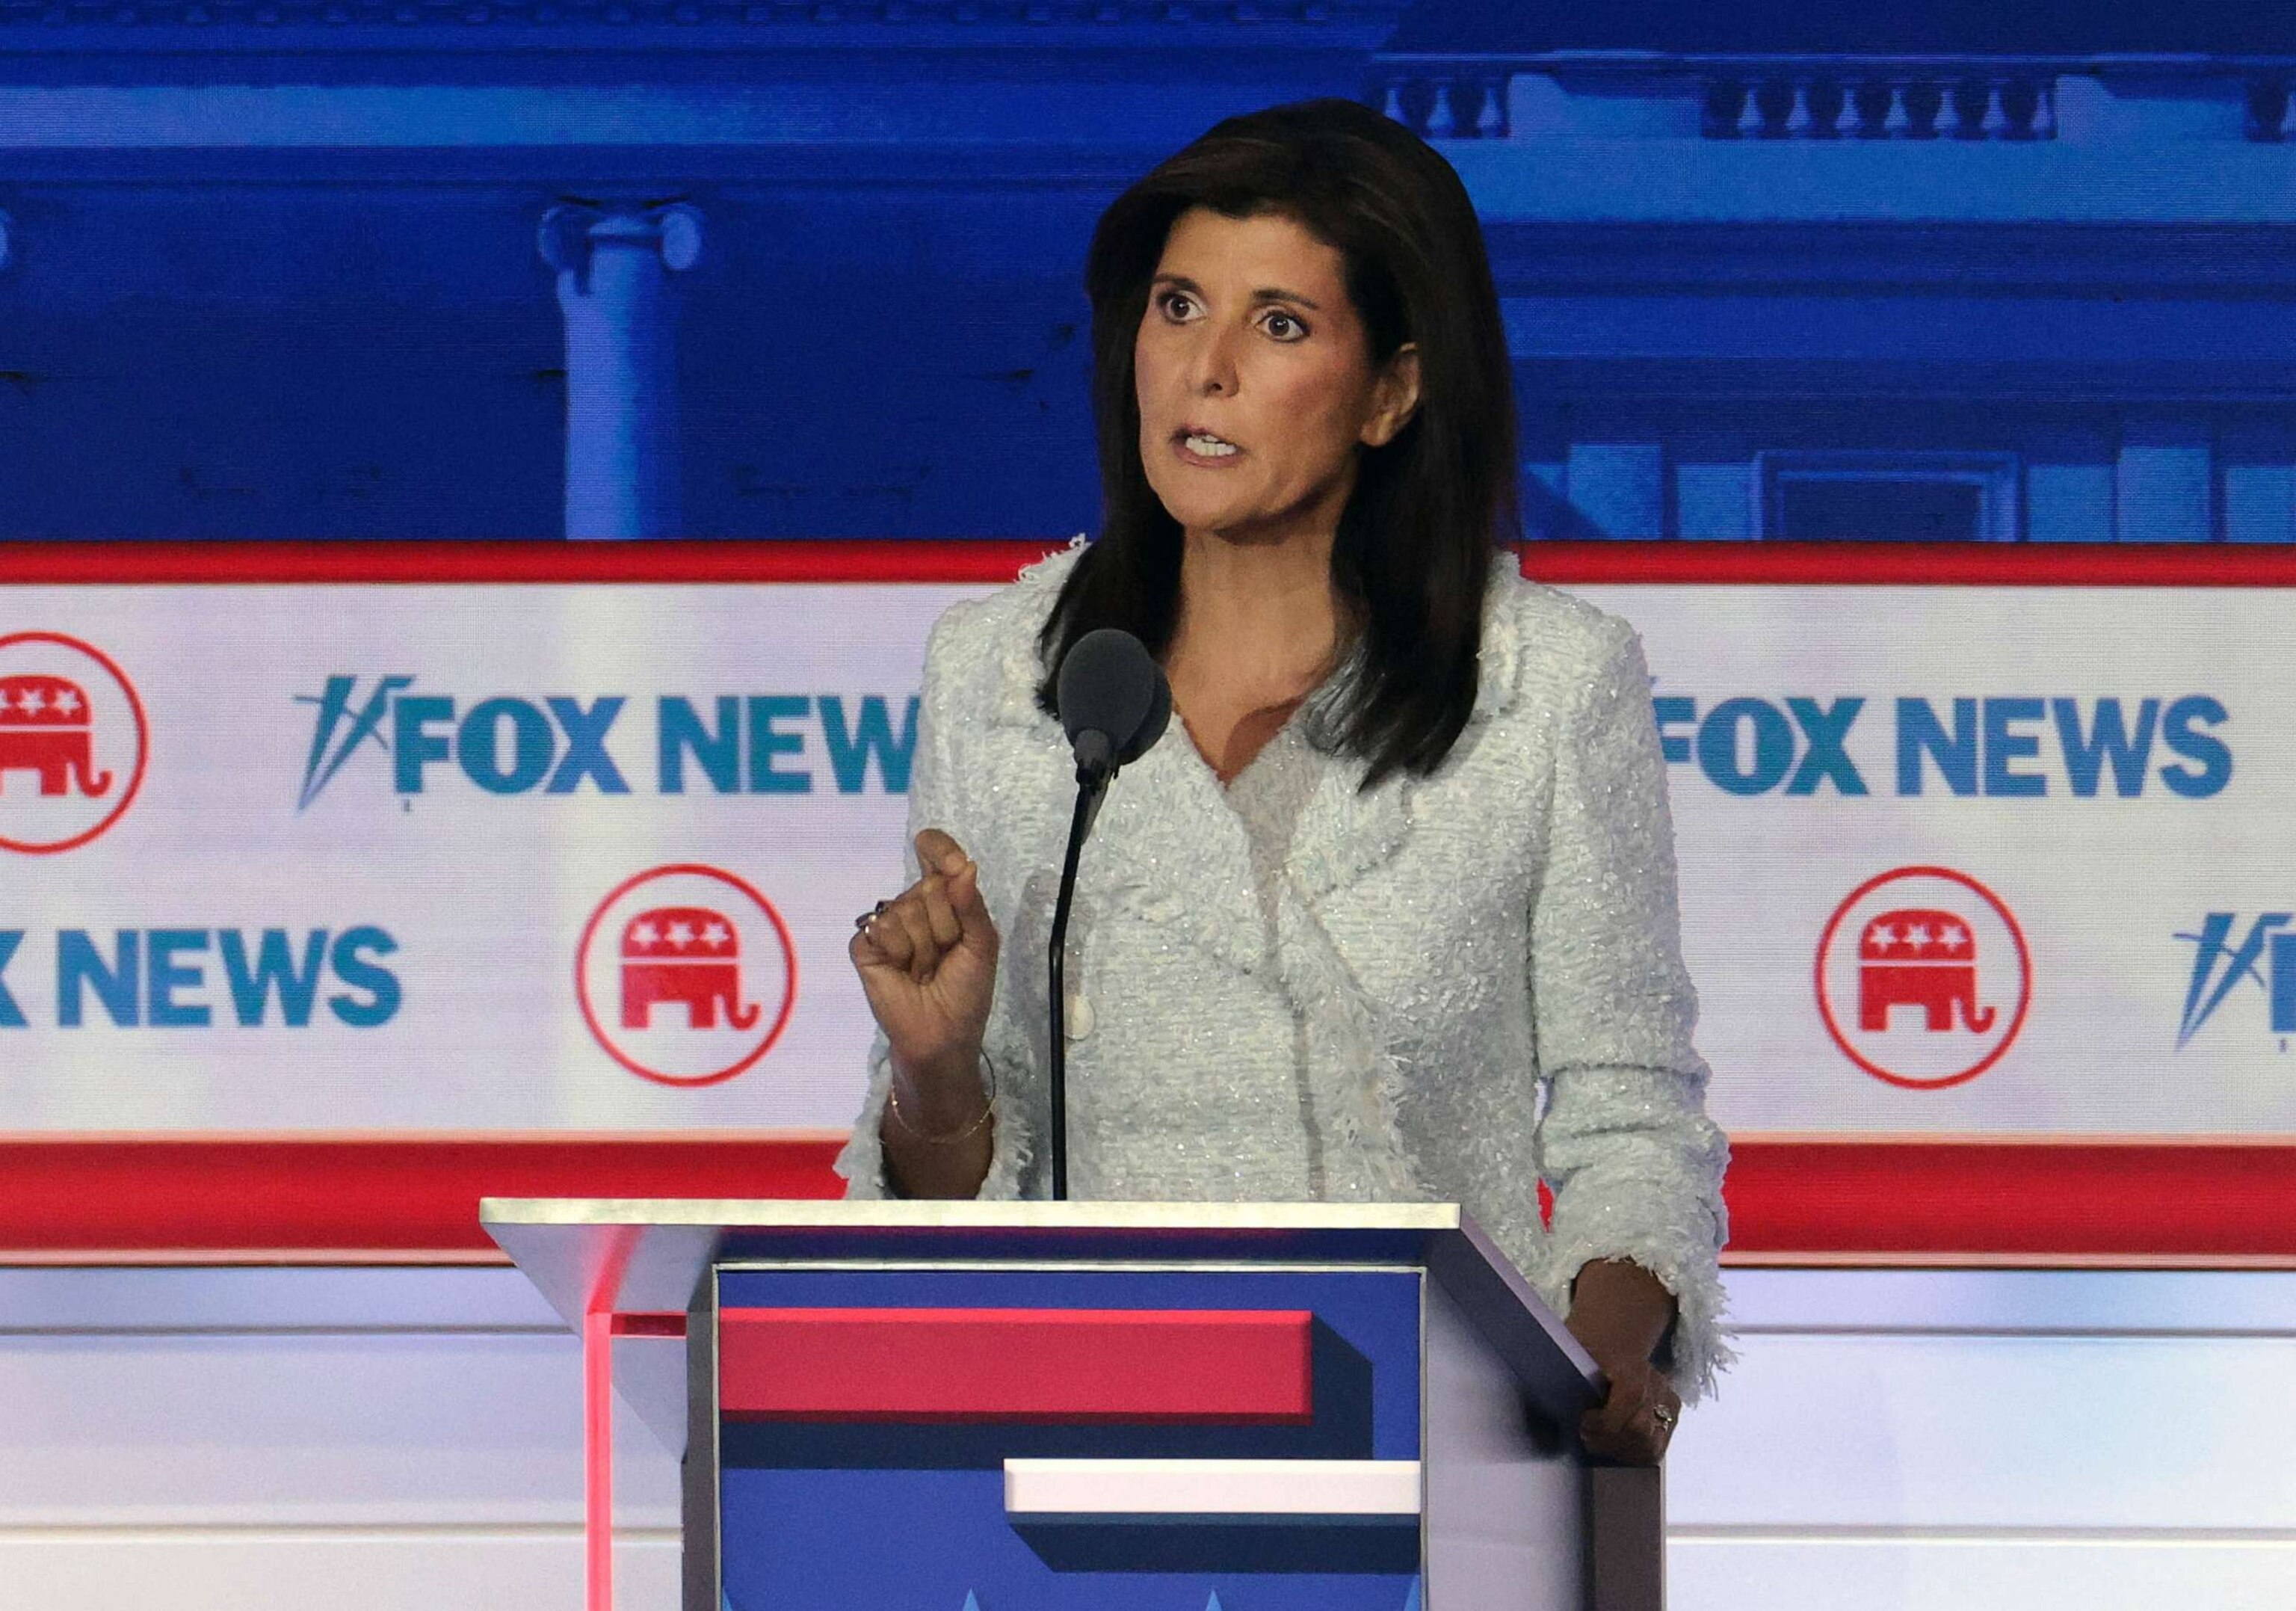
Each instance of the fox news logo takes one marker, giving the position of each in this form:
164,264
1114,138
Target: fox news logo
200,978
1996,748
757,743
2225,957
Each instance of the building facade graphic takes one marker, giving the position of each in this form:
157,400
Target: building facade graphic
528,269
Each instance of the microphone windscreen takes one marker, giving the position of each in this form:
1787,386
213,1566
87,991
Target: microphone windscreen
1160,716
1108,685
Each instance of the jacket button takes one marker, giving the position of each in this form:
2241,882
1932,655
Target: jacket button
1079,1017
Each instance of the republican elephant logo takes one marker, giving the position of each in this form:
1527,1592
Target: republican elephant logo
46,727
74,742
1923,957
686,954
1925,980
685,975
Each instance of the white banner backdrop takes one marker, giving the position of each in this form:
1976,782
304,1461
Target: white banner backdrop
543,857
427,803
2100,782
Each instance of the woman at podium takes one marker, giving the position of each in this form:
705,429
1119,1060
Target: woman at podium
1389,914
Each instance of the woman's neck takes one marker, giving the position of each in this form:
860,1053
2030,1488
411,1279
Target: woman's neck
1264,615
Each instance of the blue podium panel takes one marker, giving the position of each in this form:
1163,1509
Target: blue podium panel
1057,1509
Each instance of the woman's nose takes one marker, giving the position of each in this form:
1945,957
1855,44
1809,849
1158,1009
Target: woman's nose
1211,366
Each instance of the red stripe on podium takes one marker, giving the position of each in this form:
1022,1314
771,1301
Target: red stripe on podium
1248,1367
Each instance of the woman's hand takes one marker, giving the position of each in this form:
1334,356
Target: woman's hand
928,964
1632,1426
1618,1312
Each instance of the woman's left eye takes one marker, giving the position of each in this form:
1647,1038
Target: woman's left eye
1284,327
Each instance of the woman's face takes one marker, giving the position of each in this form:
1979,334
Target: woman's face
1255,379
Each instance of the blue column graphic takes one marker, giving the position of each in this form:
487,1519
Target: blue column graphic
622,449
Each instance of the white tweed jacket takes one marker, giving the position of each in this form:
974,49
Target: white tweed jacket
1474,983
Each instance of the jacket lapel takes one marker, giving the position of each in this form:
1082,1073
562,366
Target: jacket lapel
1174,852
1347,831
1171,850
1167,848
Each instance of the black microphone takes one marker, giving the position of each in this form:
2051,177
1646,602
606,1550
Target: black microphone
1113,701
1114,704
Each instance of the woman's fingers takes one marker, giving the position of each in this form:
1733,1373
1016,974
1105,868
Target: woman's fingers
940,917
1610,1437
921,926
971,911
885,938
1627,1426
937,852
904,952
1647,1431
924,953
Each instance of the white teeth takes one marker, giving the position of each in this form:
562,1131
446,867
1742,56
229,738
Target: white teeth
1210,447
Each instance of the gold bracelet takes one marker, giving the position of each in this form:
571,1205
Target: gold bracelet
893,1106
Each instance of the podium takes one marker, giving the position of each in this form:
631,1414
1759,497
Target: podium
1124,1407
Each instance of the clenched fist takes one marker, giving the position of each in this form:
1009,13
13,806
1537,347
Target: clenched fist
928,964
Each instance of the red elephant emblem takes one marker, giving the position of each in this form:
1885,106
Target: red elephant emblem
1919,956
44,727
688,954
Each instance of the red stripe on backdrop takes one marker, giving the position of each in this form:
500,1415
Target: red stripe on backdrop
296,1195
1924,564
1047,1366
2048,1199
976,560
120,564
1792,1200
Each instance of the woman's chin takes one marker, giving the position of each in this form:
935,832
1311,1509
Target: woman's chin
1196,513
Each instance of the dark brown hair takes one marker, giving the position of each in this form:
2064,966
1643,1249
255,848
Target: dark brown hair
1413,554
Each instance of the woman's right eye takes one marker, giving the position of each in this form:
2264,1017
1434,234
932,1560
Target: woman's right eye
1175,304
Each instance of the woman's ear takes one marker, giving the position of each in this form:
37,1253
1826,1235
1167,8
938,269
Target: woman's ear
1395,397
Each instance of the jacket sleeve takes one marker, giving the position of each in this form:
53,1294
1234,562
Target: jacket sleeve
1624,1142
937,799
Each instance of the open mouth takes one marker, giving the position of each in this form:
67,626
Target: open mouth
1203,444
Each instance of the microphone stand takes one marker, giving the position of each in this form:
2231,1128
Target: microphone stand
1093,772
